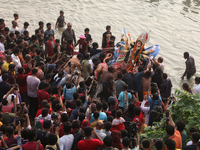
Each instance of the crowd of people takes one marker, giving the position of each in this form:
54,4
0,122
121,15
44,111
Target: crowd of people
55,98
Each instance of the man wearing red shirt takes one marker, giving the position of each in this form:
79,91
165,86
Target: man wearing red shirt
31,144
44,105
89,143
23,84
43,94
83,45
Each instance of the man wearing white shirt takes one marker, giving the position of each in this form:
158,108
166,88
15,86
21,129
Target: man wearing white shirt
2,48
14,27
146,109
15,58
93,63
66,141
197,87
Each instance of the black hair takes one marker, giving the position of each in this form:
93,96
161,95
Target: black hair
164,76
113,113
108,27
87,29
96,115
34,70
88,131
11,66
15,15
155,96
119,113
16,32
47,124
180,126
25,133
40,23
170,130
112,37
57,40
11,34
119,75
54,103
105,106
37,31
67,127
124,71
108,126
1,20
41,40
58,107
45,85
160,59
110,118
147,74
145,143
52,139
61,12
99,106
124,133
46,106
81,117
137,110
15,51
193,129
45,112
38,51
110,69
6,29
48,24
87,56
186,54
125,86
78,103
26,32
76,124
4,101
75,95
159,145
26,24
171,145
68,85
33,37
111,43
81,84
107,141
20,70
64,117
140,69
79,56
19,46
5,77
126,142
32,133
195,137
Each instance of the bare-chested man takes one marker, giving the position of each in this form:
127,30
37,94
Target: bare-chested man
75,63
146,81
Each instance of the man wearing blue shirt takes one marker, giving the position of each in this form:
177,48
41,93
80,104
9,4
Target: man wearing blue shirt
102,115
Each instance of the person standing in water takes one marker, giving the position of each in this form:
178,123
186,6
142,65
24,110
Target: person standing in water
190,66
60,23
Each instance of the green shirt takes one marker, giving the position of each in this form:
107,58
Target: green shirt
184,138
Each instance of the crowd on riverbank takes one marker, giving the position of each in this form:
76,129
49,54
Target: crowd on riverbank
55,98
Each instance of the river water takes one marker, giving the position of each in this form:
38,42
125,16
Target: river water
174,24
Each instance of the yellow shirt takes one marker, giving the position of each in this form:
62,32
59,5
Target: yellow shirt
1,123
6,65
